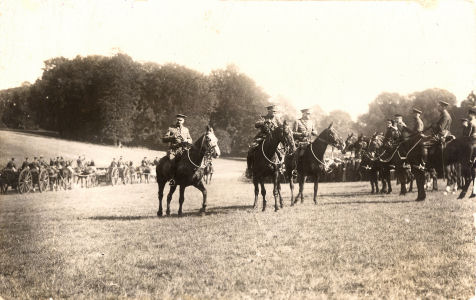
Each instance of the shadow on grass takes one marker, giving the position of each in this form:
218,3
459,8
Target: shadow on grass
212,211
368,202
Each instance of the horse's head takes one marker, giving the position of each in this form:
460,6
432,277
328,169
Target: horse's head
286,137
331,137
210,143
348,143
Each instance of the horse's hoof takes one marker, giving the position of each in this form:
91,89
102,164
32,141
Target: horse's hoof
276,209
420,199
388,192
315,202
472,195
168,213
402,194
159,213
461,196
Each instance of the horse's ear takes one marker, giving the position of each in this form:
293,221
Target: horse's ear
330,126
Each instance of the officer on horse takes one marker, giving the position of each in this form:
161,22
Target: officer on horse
267,123
303,130
179,139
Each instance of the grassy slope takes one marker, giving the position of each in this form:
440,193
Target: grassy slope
19,145
107,242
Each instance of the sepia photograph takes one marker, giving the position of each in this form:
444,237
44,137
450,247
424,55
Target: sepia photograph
158,149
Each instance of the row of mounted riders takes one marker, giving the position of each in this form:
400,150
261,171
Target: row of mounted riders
62,176
412,157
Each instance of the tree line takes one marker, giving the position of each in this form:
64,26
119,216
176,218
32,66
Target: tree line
116,99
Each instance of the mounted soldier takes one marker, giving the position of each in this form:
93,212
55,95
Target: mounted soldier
179,140
267,123
303,130
471,132
441,129
392,134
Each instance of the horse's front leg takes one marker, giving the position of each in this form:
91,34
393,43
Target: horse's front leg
169,198
291,187
275,190
201,187
181,199
280,197
263,193
316,186
161,185
256,185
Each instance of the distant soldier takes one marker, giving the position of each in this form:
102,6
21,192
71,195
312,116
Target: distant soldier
144,162
25,163
113,163
303,130
35,165
79,162
267,123
42,161
120,162
179,139
156,161
466,127
11,165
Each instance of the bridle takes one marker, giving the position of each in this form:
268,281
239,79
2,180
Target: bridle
264,154
208,151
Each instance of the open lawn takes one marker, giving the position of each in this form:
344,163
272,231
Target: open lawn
107,242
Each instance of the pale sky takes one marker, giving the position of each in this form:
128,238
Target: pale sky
337,54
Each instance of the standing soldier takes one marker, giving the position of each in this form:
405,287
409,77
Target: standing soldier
178,138
265,124
113,163
79,162
144,162
25,163
466,127
303,130
11,165
472,124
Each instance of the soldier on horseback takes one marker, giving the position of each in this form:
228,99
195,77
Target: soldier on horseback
179,139
303,130
265,125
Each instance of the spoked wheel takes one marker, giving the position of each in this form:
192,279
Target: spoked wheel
114,176
43,180
25,181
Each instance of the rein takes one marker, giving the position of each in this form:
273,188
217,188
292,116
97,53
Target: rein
274,163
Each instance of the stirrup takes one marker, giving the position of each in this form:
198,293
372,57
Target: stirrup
172,182
294,173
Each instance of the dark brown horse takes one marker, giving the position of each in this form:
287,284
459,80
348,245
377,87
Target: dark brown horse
312,162
189,171
266,162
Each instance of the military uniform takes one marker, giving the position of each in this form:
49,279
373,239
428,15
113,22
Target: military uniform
25,164
265,125
303,130
443,126
392,136
466,127
176,136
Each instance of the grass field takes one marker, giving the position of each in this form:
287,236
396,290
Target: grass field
107,242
